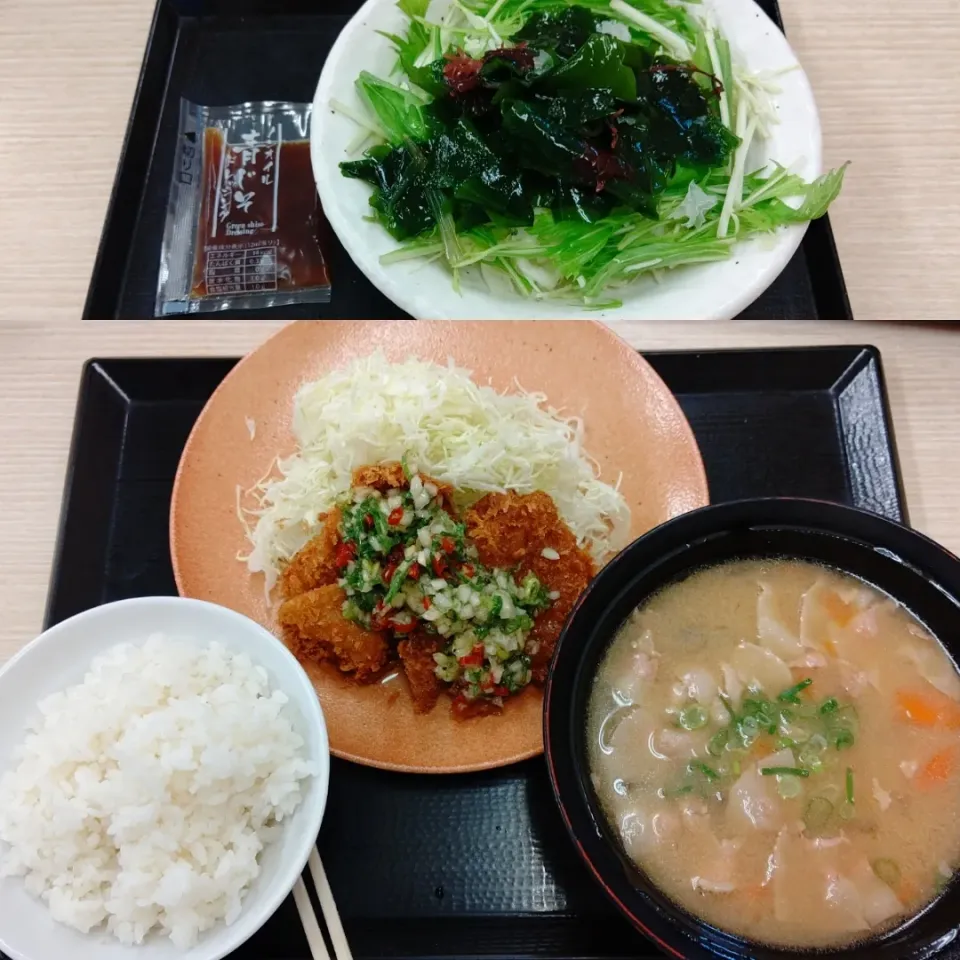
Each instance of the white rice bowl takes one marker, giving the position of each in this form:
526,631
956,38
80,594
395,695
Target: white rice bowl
162,794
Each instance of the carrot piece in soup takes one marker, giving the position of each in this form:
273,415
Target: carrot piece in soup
928,709
916,708
950,715
907,891
764,745
838,611
939,768
756,900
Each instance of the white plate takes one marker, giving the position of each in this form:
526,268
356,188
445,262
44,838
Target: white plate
715,291
60,657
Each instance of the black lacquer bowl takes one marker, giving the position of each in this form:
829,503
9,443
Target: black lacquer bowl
907,566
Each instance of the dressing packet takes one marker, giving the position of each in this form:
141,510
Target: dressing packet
243,214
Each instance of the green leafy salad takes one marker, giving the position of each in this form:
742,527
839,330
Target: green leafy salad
569,149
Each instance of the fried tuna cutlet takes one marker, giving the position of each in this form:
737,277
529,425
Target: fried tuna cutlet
314,565
568,576
384,477
315,629
416,655
381,476
513,530
463,709
506,526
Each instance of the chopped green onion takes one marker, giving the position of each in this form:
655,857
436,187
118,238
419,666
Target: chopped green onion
818,812
810,758
750,725
850,785
708,772
887,870
693,718
747,731
788,787
763,713
784,772
843,739
790,694
717,742
829,705
399,575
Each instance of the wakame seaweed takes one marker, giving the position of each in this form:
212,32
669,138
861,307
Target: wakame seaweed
572,149
568,118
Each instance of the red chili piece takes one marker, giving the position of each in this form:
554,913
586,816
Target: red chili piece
474,658
344,553
414,572
368,520
395,516
447,545
377,617
439,565
388,573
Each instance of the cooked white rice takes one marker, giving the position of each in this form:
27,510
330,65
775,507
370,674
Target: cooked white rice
142,796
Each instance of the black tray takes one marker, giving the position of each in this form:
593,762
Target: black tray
229,51
473,866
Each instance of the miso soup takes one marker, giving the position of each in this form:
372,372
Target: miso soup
777,746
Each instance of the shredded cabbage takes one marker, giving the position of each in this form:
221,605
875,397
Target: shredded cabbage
469,436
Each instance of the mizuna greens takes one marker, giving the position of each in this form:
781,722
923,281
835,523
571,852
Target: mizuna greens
571,149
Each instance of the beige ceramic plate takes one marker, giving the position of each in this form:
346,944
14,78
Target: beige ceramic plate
633,425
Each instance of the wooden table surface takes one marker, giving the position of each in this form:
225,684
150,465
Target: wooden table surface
886,79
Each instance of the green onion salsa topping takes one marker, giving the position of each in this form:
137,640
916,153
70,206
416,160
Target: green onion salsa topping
406,565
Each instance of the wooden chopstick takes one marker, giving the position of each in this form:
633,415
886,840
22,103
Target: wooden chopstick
318,949
330,914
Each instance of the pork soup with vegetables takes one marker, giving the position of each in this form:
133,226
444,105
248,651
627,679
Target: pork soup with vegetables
777,745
